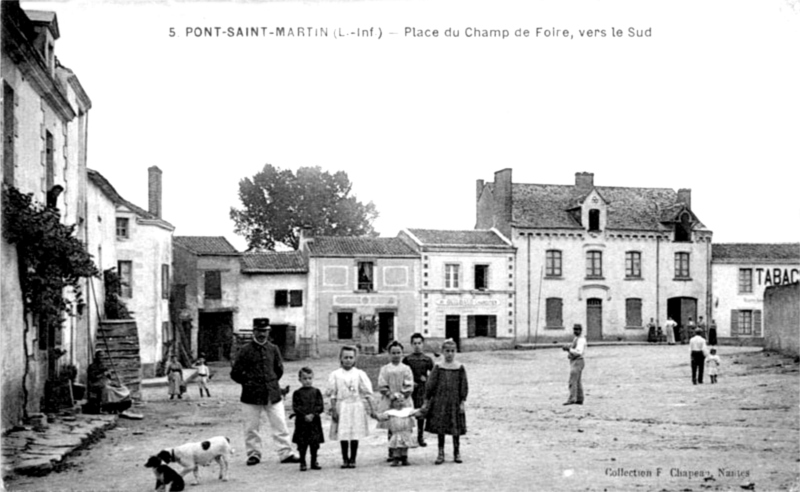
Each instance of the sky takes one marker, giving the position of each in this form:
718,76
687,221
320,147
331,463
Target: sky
705,97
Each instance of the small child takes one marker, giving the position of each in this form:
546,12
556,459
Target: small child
421,366
446,395
350,391
395,381
203,375
307,405
400,420
712,363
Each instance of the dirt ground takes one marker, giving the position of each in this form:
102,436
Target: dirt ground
644,426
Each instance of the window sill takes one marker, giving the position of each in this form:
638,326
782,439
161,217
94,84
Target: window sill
553,327
364,291
634,327
682,279
554,277
595,278
634,278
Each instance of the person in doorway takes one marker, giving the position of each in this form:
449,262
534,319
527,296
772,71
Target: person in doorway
712,333
698,349
669,328
258,369
652,331
421,366
687,331
175,377
576,351
701,325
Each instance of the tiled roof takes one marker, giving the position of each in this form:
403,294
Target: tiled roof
547,206
477,238
360,246
788,252
274,262
206,245
108,190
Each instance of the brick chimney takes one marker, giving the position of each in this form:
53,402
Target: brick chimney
478,189
154,190
584,181
304,238
503,200
685,197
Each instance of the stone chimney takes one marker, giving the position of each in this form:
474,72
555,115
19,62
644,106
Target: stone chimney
304,238
478,189
685,197
154,190
584,181
503,200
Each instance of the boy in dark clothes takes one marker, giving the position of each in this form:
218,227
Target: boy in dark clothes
421,365
307,405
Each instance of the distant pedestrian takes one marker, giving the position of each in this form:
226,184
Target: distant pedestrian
203,375
702,326
687,330
307,405
446,395
258,369
698,349
175,377
713,362
350,391
395,382
652,332
576,351
400,419
712,333
669,328
421,366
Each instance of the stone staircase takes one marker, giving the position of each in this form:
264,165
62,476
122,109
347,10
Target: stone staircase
118,340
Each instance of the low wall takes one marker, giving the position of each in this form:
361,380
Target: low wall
782,319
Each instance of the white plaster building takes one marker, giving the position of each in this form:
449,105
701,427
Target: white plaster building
467,287
741,272
608,258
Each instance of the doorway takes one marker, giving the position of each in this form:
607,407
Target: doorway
594,319
385,329
452,329
680,309
215,336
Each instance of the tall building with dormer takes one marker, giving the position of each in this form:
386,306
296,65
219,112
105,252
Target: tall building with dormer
609,258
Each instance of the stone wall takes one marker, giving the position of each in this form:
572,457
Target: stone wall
782,319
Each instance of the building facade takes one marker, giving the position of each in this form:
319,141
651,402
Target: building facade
741,272
607,258
143,249
44,153
467,289
358,281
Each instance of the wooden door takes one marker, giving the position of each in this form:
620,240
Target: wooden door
594,319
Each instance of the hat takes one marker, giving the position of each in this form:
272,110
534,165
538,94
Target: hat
261,324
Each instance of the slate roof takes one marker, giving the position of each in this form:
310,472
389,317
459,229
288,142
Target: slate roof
755,252
548,206
360,246
108,190
460,239
274,262
206,245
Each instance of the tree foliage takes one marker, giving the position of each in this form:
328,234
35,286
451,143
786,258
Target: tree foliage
51,259
277,203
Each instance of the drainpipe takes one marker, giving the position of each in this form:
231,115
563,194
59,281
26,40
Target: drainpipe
658,279
529,288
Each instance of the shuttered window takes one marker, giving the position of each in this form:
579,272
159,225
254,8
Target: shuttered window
213,284
481,326
554,307
633,313
746,322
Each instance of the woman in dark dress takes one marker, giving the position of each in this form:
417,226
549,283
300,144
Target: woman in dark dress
446,395
307,405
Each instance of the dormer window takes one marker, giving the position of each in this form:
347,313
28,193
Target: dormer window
683,228
594,219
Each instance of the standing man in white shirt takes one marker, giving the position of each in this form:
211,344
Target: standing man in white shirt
698,349
576,350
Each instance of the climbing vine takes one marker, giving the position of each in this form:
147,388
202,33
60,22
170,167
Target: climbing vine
51,259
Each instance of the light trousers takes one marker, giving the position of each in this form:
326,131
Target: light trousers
276,415
575,384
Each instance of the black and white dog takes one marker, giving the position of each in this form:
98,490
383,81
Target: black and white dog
167,479
195,454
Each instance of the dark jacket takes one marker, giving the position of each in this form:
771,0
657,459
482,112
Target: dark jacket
258,368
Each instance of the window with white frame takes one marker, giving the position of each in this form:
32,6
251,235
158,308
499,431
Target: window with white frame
451,276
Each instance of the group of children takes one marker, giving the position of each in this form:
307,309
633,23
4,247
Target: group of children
413,390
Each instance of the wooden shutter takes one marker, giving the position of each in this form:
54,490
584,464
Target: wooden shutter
493,326
296,298
734,323
470,326
757,323
333,326
554,310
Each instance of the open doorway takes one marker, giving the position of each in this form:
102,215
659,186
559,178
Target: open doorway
680,309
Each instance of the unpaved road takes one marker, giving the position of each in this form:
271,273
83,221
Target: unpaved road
644,427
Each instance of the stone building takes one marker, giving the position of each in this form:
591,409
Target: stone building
207,274
467,289
143,250
45,117
741,272
356,281
609,258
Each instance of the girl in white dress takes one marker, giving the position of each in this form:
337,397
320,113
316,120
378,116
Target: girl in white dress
350,391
